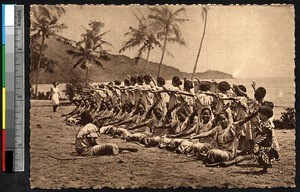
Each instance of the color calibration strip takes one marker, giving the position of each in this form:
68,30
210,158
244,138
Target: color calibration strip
12,88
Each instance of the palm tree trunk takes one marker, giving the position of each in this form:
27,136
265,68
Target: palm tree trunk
87,75
146,60
199,50
163,53
38,65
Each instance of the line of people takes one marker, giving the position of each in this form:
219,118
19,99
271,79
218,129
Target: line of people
215,124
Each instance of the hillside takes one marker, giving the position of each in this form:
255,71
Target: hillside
116,68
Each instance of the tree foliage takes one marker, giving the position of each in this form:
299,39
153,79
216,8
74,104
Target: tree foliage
143,37
287,119
46,63
90,48
165,22
44,20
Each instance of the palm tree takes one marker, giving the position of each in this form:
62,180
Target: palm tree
90,48
44,23
143,36
204,17
166,22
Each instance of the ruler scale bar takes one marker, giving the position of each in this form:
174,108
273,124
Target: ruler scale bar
13,89
19,148
9,85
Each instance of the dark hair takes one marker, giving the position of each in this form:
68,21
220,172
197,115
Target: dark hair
260,93
140,79
242,87
133,79
206,109
101,106
147,78
54,82
117,82
204,87
161,81
101,86
126,82
85,118
176,80
267,111
188,84
268,104
223,86
94,104
182,111
222,113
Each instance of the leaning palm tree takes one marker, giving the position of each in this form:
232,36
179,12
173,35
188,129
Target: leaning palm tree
204,17
90,49
143,36
166,23
44,22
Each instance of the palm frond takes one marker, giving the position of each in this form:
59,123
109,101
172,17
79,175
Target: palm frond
178,11
180,20
137,17
169,53
159,10
98,63
78,62
158,20
102,34
75,53
176,40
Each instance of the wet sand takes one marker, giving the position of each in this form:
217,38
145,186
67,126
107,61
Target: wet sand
55,164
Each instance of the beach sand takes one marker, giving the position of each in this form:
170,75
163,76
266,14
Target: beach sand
55,164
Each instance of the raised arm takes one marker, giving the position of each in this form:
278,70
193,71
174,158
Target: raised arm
246,119
194,113
151,109
171,110
253,86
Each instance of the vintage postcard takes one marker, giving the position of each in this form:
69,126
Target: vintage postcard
162,96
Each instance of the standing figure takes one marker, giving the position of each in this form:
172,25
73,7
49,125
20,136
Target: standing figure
54,94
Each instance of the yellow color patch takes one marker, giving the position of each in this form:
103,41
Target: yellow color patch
3,108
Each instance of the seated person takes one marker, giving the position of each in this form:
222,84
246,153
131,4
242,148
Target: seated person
86,142
226,141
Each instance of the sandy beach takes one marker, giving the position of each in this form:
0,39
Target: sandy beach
55,164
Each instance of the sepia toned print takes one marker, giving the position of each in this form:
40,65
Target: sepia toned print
162,96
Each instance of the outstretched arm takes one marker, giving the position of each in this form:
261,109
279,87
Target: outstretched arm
205,134
137,126
151,109
185,133
124,122
171,110
246,119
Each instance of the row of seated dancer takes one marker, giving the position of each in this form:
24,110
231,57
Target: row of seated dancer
214,127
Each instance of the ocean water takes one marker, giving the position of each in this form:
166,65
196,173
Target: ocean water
280,91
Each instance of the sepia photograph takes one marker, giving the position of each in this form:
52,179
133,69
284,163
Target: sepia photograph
162,96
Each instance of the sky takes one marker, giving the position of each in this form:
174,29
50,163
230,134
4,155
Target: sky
245,41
